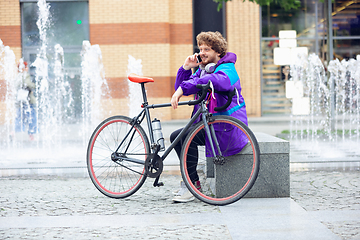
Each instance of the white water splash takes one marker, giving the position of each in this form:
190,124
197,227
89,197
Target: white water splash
315,129
94,85
135,94
8,71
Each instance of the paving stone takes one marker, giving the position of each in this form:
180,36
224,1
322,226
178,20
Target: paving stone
327,190
43,196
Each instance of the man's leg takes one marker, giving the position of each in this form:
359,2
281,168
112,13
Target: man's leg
192,155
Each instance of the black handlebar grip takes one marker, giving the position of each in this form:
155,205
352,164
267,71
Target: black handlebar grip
203,92
230,95
204,89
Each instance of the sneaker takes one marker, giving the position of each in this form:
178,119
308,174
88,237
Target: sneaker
182,185
184,196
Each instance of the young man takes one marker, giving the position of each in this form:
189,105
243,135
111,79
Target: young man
216,65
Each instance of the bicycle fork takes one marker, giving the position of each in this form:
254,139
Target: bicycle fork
210,132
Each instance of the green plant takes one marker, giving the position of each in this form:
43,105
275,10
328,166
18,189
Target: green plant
286,4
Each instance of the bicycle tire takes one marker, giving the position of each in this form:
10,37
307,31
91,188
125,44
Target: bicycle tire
122,179
227,183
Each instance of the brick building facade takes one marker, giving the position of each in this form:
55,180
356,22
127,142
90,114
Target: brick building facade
160,33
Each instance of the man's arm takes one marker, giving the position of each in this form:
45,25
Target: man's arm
176,97
184,74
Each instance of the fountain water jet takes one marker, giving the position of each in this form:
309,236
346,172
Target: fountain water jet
60,142
94,87
312,135
134,66
346,78
8,71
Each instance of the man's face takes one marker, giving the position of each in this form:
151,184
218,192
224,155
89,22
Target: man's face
208,55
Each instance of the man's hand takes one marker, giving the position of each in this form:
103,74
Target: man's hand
176,97
191,62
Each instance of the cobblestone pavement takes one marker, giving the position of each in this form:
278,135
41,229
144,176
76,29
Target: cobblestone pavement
148,232
42,196
326,191
54,196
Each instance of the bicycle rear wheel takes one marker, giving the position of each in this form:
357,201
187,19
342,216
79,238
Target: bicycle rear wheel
117,178
221,184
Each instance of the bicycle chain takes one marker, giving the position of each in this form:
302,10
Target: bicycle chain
219,160
153,166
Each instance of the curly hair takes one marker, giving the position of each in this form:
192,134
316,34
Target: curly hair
213,39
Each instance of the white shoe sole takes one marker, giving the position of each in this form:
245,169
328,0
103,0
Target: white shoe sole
183,200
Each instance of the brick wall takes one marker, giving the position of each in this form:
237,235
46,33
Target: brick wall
160,34
243,35
10,13
157,32
10,27
10,35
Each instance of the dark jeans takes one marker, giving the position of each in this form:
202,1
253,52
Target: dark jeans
26,118
192,155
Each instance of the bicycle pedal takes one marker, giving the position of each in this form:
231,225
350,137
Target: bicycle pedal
160,184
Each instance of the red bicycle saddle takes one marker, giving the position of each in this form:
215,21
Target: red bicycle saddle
139,79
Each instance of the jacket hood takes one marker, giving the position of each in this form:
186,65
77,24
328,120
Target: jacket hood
228,58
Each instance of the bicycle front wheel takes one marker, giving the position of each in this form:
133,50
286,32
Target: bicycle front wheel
227,177
117,178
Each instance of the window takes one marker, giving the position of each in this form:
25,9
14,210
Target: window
310,25
69,27
69,24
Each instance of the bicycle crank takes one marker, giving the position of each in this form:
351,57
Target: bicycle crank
153,166
219,160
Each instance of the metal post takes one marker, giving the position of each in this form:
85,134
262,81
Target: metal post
330,31
316,28
330,57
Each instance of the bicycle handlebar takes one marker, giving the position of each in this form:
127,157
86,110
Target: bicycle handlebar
204,89
230,95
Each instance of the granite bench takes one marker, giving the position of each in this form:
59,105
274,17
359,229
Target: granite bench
273,180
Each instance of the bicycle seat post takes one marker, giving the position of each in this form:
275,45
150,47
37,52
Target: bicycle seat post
147,112
145,102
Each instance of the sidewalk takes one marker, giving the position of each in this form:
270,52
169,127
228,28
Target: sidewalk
47,199
323,205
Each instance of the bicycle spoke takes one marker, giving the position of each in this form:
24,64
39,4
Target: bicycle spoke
118,178
214,172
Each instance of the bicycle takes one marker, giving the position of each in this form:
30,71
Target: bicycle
120,156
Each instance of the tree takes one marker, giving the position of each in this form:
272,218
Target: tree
286,4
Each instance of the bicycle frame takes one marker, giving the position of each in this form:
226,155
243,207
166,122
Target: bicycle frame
202,110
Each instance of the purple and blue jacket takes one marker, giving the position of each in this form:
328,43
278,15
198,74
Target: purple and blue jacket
224,78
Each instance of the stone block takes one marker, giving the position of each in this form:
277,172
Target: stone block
274,176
